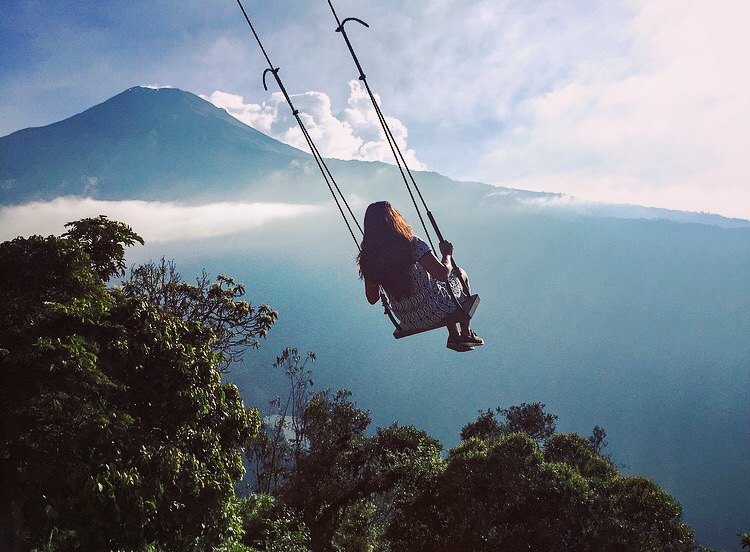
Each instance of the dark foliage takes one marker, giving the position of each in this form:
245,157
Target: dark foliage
236,324
514,484
530,419
345,485
517,485
116,429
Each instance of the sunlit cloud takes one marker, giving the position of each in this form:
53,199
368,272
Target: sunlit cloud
355,133
667,129
156,222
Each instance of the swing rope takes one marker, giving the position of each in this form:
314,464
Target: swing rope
398,155
322,166
327,176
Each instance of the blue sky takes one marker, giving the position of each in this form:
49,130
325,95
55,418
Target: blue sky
620,101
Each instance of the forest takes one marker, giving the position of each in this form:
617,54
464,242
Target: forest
119,431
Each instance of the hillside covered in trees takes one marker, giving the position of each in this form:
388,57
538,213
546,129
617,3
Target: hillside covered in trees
118,432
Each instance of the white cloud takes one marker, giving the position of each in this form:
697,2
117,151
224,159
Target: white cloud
668,128
353,134
155,222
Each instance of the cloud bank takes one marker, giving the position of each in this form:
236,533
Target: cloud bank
354,133
663,122
155,222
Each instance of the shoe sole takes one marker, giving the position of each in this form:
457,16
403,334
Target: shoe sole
472,344
459,347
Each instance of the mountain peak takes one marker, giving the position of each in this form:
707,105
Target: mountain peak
139,144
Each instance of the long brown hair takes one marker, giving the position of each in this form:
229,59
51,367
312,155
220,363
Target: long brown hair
386,256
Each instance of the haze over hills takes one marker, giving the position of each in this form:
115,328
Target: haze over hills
170,145
630,318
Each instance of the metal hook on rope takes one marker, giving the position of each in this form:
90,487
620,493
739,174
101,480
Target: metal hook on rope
275,74
341,27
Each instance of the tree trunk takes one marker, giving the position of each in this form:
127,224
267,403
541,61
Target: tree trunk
11,516
6,524
11,525
16,515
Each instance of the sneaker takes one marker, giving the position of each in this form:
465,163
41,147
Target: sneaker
473,340
458,346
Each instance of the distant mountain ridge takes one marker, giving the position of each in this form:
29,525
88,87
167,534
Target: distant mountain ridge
169,144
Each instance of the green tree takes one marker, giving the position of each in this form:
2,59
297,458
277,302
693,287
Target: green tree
521,487
348,485
315,455
271,526
116,432
530,419
236,323
274,453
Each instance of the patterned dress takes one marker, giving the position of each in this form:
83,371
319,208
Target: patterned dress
430,301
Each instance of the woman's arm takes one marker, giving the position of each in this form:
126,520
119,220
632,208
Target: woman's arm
372,291
440,270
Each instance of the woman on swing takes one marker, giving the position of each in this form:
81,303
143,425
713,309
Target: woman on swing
415,280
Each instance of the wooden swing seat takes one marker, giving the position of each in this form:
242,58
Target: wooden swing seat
468,307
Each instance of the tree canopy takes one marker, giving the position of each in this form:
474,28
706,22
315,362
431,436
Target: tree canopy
513,484
117,431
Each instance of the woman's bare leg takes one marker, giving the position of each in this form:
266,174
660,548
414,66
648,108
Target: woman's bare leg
465,329
465,278
464,323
